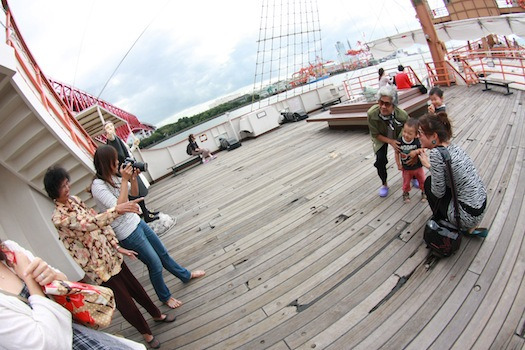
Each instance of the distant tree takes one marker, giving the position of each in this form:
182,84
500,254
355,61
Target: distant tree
185,123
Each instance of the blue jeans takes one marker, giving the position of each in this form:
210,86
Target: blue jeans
153,253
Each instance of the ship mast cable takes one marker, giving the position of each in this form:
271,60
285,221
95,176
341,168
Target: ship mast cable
133,45
82,42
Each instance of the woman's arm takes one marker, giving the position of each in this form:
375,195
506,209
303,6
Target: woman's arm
437,168
127,173
87,222
135,183
46,325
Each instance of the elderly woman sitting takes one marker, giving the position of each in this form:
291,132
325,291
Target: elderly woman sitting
385,122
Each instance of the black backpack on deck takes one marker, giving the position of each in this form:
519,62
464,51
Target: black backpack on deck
442,237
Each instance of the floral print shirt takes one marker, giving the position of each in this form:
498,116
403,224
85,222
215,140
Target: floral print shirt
89,238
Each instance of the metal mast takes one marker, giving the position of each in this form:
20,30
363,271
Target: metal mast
289,50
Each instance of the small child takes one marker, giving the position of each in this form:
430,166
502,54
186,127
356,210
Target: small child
409,142
436,100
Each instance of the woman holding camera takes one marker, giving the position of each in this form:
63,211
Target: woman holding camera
133,233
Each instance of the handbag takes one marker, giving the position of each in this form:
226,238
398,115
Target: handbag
442,237
91,306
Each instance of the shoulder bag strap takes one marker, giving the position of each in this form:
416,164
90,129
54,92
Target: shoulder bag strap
446,159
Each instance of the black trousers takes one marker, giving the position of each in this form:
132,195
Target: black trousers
126,288
381,162
439,206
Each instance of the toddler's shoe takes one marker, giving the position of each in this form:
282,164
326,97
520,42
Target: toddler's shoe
415,183
406,197
383,191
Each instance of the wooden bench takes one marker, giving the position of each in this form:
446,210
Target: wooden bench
331,102
187,163
352,115
496,82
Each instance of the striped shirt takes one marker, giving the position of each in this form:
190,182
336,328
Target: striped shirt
106,197
471,191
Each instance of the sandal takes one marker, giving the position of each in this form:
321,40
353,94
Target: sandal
197,274
168,319
173,303
154,343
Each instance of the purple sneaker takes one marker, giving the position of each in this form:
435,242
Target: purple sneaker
383,191
415,183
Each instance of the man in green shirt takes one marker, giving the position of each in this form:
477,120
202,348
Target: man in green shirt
385,122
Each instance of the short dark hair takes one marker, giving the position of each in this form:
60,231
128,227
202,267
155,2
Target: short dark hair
400,68
436,91
53,179
412,123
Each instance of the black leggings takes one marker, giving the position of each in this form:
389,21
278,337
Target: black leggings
381,162
439,206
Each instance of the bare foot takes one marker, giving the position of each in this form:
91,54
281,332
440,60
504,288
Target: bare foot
197,274
173,303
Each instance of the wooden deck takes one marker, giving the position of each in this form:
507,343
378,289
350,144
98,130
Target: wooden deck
301,253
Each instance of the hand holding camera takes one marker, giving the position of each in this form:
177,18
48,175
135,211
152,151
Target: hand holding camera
136,165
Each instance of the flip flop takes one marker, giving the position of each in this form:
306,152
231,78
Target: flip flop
168,319
154,343
480,232
198,274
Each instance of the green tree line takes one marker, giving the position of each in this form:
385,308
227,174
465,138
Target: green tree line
185,123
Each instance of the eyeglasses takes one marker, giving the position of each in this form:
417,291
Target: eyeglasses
383,103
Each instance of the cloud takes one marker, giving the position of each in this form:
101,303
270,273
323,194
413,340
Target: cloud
190,53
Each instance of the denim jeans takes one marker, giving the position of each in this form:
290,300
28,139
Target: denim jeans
153,253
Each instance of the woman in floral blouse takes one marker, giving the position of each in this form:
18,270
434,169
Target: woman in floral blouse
90,240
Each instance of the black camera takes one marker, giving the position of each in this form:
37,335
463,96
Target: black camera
136,165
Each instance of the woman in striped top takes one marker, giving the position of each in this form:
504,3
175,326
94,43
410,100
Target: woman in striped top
435,130
109,190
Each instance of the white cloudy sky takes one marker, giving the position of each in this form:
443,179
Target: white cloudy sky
192,51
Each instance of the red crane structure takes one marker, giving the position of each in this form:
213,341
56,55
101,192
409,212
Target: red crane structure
77,100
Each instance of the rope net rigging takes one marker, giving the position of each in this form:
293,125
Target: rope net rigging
289,50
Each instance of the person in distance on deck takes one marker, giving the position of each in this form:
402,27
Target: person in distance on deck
402,80
195,150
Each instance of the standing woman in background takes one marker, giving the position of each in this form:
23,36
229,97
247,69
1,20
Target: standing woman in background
384,79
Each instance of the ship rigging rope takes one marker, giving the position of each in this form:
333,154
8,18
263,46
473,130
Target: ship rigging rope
88,18
133,45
